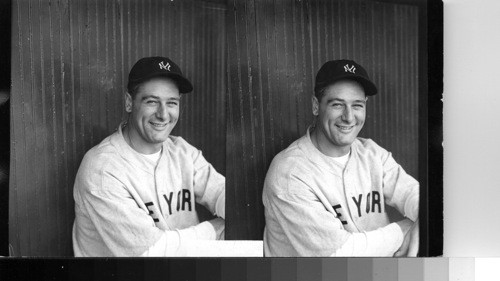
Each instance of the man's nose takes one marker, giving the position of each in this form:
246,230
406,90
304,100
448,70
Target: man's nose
348,115
162,112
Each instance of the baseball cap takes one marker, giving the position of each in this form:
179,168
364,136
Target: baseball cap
149,67
335,70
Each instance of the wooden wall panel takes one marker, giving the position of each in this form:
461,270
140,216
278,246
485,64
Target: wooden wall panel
275,49
70,63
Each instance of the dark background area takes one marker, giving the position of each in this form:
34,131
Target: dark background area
5,29
431,207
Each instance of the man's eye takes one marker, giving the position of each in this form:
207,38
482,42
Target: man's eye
151,102
358,106
173,103
337,105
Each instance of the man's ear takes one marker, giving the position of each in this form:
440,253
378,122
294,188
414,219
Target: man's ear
128,102
315,106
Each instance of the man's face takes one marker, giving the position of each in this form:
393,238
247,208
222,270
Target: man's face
154,113
341,115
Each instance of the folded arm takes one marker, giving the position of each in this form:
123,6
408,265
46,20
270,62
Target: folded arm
402,191
313,230
209,185
127,229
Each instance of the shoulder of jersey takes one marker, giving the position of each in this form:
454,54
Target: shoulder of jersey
178,143
289,153
368,146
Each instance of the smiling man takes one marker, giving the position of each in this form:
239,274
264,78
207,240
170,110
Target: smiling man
135,192
326,194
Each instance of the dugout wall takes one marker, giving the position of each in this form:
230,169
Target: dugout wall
70,62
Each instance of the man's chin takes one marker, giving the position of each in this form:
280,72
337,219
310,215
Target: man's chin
159,139
346,141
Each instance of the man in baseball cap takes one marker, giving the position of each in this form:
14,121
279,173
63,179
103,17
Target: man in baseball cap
326,194
135,192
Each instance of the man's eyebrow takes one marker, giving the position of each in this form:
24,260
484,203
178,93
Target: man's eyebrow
342,100
150,97
157,97
334,99
362,101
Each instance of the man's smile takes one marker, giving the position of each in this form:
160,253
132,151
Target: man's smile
345,129
158,125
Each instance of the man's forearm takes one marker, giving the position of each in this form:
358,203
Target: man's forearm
381,242
174,242
220,205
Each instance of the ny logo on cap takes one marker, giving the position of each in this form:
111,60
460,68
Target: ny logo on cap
164,66
351,69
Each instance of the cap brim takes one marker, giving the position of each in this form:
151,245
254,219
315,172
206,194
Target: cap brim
368,86
184,85
182,82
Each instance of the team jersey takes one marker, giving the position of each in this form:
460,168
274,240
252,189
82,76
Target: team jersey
125,202
313,204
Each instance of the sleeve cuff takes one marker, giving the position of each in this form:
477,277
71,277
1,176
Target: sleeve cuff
220,205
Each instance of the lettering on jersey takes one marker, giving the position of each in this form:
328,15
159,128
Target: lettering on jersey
376,201
339,215
186,198
183,198
372,200
178,201
182,203
151,213
169,202
368,205
358,203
